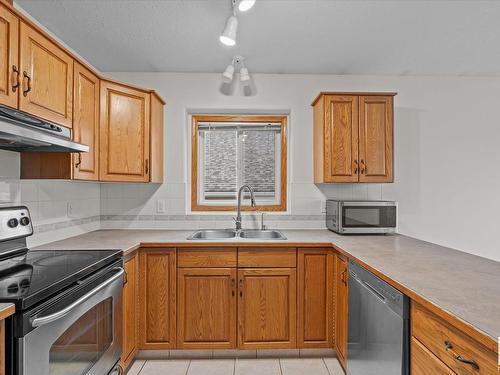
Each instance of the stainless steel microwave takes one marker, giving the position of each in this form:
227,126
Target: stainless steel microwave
361,217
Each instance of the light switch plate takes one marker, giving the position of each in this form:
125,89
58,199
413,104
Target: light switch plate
160,206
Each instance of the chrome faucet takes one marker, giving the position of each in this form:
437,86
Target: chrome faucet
252,202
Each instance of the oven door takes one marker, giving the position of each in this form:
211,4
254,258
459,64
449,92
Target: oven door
80,333
368,217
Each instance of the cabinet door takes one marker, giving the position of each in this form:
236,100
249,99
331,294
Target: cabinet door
130,310
341,309
206,308
267,308
157,298
125,133
9,44
315,298
86,123
47,78
341,138
376,138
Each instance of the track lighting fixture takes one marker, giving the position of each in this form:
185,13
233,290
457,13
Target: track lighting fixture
228,36
228,75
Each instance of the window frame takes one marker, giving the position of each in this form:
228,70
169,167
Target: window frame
281,119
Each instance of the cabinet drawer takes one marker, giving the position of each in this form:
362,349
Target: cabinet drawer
189,257
423,362
448,343
255,257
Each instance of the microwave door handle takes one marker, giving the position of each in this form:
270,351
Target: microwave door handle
37,322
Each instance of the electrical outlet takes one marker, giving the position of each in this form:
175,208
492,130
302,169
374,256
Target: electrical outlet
160,206
69,209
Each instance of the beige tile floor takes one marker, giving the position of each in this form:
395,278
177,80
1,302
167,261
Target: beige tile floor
283,366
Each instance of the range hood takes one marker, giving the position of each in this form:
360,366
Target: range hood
23,132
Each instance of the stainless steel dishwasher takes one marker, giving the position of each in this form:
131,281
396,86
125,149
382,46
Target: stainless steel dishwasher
378,337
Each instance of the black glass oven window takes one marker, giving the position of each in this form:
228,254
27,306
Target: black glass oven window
84,342
369,217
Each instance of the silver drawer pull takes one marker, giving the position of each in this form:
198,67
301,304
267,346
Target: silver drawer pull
37,322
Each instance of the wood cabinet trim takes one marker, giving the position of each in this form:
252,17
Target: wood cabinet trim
170,300
196,119
433,332
130,291
29,37
291,330
188,257
387,156
105,123
226,315
7,95
78,172
320,320
267,258
364,93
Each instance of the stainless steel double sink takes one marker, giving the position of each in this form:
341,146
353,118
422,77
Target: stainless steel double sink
227,234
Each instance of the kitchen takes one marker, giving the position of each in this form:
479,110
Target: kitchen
168,135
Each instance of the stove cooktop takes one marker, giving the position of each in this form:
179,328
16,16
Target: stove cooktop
30,277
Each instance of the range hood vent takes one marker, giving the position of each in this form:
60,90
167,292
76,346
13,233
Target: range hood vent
22,132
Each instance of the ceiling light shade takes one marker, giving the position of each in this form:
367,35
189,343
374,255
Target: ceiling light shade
227,76
245,5
244,76
228,36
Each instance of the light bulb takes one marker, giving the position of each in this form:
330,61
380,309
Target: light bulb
227,76
244,76
228,36
245,5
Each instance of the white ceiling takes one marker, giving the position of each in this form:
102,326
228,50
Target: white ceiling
281,36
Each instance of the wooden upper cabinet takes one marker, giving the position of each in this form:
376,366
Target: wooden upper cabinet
341,138
130,310
46,78
353,137
9,65
125,133
267,308
157,286
315,293
206,305
86,123
341,309
376,138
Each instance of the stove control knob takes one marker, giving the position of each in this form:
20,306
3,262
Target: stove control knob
24,220
12,223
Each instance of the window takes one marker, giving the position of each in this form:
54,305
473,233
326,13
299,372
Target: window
230,151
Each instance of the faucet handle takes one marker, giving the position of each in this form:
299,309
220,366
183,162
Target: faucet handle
262,226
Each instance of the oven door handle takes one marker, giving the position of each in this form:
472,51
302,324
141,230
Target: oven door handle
37,322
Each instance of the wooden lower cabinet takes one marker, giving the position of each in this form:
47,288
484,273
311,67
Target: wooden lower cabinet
157,287
315,298
130,310
423,362
267,308
341,309
206,305
439,344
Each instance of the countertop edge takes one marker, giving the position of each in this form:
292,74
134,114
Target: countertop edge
6,310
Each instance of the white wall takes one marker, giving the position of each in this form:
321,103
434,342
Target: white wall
59,209
447,157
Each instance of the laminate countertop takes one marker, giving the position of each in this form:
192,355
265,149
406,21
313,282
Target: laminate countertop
463,286
6,310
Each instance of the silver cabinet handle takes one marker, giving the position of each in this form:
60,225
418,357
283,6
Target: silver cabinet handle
37,322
